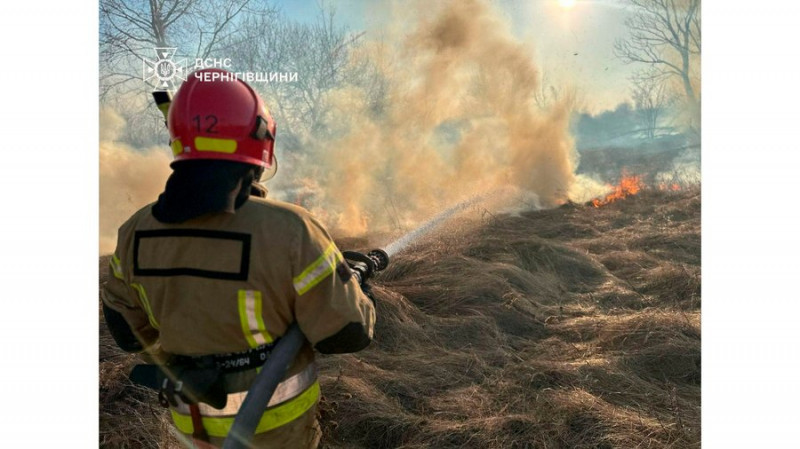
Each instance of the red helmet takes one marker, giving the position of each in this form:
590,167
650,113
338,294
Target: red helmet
214,115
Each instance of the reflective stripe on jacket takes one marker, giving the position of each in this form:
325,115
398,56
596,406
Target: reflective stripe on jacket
293,397
226,282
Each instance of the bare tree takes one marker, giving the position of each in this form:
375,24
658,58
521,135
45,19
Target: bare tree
256,38
131,29
665,35
651,100
319,52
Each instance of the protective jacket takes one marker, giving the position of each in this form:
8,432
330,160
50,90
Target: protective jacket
226,283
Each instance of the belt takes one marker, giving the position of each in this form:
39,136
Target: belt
230,362
285,391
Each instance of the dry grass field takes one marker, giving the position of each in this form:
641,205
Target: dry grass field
575,327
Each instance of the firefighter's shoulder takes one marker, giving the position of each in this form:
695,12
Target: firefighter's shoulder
133,221
280,213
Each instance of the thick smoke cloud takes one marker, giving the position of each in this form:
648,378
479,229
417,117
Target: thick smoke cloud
459,120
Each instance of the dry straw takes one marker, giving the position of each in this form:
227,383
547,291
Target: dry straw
573,327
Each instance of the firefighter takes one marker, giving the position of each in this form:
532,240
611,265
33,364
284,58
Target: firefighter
207,278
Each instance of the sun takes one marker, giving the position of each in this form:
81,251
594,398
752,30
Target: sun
566,3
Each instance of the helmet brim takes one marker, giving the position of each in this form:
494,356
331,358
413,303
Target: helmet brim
269,172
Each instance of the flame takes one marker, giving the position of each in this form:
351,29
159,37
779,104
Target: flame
669,187
628,185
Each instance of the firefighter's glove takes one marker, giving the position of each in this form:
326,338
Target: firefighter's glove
361,271
361,265
362,268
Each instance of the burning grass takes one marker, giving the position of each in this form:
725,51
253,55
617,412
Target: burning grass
574,327
628,185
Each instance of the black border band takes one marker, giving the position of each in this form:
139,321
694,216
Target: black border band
244,265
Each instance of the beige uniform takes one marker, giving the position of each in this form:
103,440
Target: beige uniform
227,282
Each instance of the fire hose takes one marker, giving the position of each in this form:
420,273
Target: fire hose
364,266
281,357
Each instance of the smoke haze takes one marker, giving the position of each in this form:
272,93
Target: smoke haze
458,120
129,178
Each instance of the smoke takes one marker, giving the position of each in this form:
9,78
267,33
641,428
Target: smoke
684,170
453,117
458,119
129,177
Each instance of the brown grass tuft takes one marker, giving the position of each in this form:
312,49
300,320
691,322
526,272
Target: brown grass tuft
573,327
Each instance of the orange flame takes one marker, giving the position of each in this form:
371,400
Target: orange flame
671,187
628,185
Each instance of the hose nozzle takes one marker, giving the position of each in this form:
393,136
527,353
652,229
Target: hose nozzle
372,262
380,258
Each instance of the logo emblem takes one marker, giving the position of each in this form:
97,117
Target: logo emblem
163,72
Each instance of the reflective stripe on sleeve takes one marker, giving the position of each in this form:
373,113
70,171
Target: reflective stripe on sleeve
116,266
271,419
318,270
145,304
251,318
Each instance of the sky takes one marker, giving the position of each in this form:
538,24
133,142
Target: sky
573,46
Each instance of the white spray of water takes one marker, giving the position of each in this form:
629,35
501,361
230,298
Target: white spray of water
498,198
403,242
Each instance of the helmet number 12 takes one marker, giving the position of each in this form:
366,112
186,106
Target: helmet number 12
211,122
